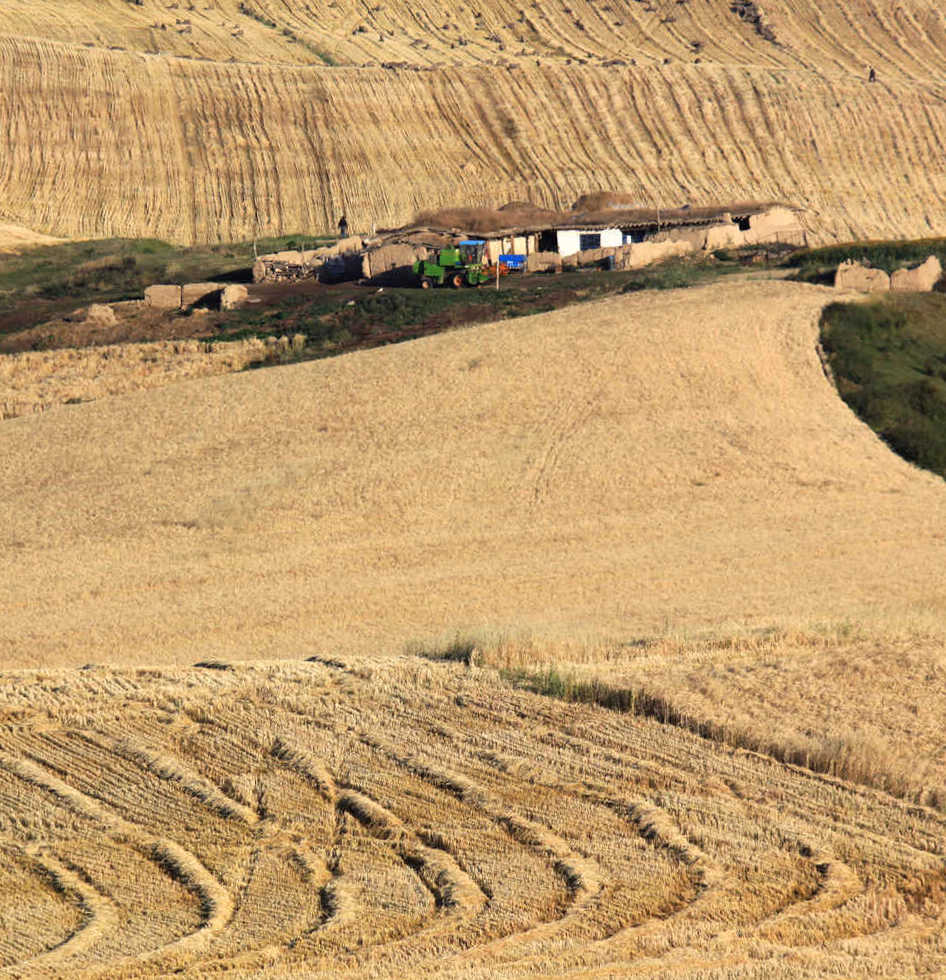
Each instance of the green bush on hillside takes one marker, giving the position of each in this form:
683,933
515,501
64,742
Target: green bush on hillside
889,358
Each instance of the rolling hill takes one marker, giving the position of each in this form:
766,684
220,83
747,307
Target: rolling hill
228,121
659,458
215,758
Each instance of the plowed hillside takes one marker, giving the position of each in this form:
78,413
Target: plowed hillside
906,36
227,121
660,459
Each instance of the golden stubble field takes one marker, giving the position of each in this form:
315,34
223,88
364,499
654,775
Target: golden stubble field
665,461
215,756
392,817
34,381
227,121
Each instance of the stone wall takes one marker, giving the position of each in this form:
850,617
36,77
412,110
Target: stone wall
854,275
920,279
774,225
391,264
292,265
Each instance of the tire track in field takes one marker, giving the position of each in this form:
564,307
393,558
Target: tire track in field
452,888
580,874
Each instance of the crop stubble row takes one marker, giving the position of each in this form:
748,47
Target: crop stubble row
136,144
392,815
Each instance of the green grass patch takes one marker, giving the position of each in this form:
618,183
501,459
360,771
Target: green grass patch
460,648
114,269
889,359
565,685
349,317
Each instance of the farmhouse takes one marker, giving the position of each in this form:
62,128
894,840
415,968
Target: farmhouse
523,229
598,228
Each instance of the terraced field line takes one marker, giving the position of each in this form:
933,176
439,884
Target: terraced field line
581,874
167,768
453,888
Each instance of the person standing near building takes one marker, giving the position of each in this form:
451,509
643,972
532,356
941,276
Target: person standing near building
342,227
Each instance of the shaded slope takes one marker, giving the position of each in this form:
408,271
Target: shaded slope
676,458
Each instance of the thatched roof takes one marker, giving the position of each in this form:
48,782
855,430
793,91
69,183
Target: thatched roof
591,212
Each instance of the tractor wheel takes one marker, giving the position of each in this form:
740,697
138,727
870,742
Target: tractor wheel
456,280
426,282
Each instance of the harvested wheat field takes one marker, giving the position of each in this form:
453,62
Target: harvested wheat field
243,119
13,238
394,817
667,460
34,381
661,493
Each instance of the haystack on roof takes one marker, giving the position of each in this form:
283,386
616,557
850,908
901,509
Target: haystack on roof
591,212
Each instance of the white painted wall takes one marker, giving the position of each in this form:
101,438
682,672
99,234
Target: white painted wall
569,240
611,237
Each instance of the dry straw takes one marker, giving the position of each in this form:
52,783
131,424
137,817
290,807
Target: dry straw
458,827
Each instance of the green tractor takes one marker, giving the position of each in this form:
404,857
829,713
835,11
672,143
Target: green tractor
458,265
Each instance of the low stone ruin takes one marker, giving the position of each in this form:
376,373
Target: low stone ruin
544,262
166,296
861,277
284,267
330,262
633,256
864,279
163,297
393,263
195,293
233,296
921,279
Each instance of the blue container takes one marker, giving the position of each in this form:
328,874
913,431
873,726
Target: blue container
513,261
